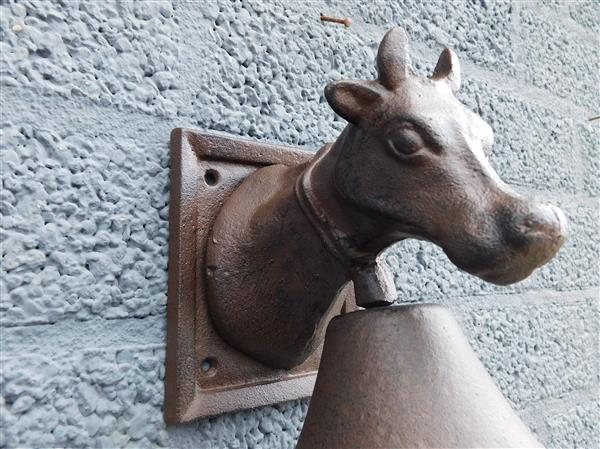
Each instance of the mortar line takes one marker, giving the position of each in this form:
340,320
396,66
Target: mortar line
561,403
152,121
517,87
68,354
567,298
536,412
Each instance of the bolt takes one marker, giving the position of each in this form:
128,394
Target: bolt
346,22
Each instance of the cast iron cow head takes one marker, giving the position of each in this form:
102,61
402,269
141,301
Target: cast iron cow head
417,157
411,163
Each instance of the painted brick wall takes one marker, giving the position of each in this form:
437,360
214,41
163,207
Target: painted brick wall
89,93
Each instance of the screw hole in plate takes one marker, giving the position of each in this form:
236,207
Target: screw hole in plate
209,366
211,177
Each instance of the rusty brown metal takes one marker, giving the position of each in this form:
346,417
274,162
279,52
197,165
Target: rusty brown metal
269,242
205,376
406,377
374,286
410,164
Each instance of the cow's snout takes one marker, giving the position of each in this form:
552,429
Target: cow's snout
542,225
531,236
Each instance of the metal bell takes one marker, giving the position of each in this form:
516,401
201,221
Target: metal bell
406,377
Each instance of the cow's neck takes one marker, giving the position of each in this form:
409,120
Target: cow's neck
354,237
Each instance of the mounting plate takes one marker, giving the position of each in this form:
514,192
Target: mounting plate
204,375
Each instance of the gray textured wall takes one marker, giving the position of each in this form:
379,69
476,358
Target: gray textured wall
90,92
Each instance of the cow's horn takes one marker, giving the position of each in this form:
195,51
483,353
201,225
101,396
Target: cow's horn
448,68
393,60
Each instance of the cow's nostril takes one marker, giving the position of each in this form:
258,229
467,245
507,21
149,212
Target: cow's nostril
529,224
545,220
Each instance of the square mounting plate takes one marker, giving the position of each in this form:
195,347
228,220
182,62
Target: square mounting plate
204,375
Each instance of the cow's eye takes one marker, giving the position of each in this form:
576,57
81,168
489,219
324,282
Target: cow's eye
405,140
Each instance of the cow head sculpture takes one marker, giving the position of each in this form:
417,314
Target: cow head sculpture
410,164
416,157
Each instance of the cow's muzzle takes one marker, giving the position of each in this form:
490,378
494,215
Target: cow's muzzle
531,236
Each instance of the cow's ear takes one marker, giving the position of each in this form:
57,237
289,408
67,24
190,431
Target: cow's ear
352,99
448,69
